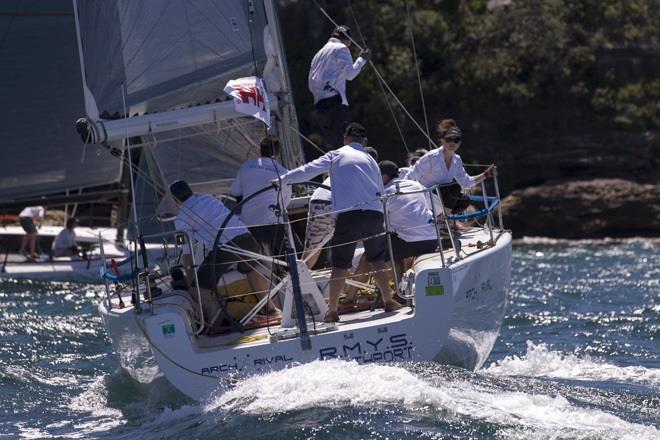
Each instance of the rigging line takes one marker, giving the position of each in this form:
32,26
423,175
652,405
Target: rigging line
311,142
251,25
382,89
130,161
419,77
380,77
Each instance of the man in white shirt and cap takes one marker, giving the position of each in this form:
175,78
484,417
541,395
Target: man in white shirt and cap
263,213
356,190
202,216
321,222
331,67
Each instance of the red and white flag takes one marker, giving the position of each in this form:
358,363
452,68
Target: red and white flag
250,97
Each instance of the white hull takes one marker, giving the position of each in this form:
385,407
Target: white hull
456,317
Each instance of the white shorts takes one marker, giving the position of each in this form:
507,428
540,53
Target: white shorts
320,223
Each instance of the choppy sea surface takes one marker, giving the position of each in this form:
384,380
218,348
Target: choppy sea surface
578,358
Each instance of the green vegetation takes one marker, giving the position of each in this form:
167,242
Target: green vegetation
506,70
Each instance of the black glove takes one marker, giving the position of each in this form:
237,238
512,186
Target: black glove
366,54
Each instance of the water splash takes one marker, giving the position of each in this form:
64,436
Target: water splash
541,361
339,385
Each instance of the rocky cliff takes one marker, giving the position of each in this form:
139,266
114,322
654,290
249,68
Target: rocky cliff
584,209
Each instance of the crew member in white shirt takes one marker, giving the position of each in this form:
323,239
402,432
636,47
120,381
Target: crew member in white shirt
28,217
331,67
321,222
409,217
263,213
64,244
202,216
356,190
442,166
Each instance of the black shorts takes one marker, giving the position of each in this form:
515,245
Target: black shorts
404,249
353,226
28,225
224,259
275,236
332,118
453,198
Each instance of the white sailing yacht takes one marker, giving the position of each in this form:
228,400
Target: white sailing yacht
162,66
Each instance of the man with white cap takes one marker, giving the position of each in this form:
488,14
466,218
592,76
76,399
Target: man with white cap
356,190
331,67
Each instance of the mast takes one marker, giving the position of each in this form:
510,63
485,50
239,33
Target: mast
286,110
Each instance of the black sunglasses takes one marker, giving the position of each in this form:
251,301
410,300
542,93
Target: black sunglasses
454,139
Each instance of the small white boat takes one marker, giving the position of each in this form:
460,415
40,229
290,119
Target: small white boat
100,247
17,266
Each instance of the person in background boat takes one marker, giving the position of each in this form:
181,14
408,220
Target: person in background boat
443,166
64,244
409,217
29,218
331,67
202,215
262,214
412,160
356,190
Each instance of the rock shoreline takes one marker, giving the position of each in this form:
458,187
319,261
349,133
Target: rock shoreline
577,209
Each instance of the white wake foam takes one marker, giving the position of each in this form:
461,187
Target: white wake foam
97,416
540,361
335,384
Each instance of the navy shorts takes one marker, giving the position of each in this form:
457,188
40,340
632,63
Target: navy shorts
332,118
404,249
28,225
354,226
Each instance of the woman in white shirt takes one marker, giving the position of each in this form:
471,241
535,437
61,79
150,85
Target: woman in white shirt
442,166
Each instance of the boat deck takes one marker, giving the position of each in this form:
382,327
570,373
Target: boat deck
264,328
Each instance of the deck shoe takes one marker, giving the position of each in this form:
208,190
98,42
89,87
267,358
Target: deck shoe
331,316
391,306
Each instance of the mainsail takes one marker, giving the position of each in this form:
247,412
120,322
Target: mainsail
154,72
41,96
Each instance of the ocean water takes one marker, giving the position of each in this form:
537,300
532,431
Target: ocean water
578,358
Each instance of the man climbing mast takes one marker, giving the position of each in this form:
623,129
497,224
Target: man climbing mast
330,68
